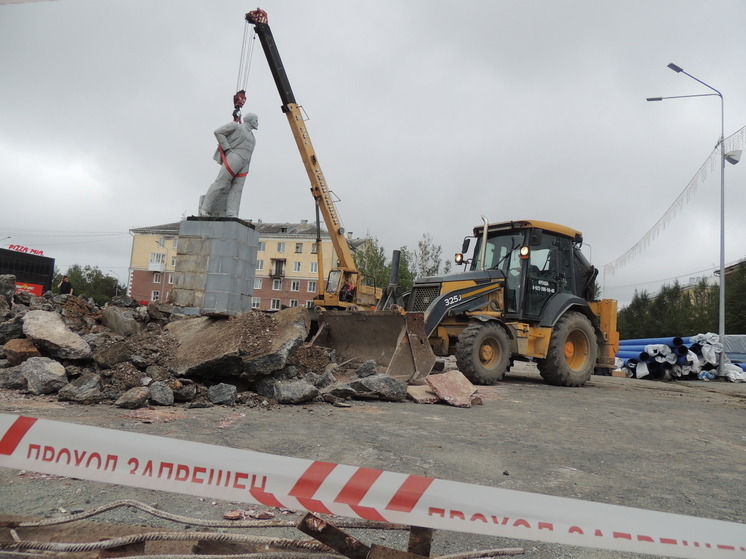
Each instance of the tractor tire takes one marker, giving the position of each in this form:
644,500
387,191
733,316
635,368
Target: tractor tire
572,353
483,352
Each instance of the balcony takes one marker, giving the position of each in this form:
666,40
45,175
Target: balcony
277,268
156,266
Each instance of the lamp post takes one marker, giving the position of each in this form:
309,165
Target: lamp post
731,158
116,288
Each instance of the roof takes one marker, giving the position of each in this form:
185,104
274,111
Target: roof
166,229
526,223
302,229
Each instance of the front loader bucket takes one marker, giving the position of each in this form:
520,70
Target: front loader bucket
393,340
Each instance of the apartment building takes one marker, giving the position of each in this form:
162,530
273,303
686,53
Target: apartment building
287,264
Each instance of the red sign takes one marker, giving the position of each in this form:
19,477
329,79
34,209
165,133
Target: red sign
21,248
32,288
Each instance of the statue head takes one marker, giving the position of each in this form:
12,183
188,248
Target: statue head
252,120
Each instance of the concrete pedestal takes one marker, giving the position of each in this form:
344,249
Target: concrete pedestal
215,266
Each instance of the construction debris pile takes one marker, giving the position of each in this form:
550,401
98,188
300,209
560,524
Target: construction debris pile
133,356
694,357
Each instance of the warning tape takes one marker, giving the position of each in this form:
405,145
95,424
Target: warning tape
217,472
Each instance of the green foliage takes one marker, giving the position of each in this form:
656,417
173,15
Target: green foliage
89,281
673,311
633,319
735,301
371,261
406,274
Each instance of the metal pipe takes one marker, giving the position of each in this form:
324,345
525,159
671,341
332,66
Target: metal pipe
483,252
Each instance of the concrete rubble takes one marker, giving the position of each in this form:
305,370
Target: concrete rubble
132,356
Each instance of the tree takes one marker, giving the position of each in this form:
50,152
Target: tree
90,281
371,261
406,274
427,258
632,320
735,301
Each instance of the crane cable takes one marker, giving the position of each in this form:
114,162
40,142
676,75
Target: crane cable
244,69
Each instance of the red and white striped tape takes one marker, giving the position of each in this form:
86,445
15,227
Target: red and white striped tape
217,472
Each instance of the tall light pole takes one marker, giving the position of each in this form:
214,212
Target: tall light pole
116,289
731,158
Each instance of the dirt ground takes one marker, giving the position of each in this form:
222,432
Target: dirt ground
671,446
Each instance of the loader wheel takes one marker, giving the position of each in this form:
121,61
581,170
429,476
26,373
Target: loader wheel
483,353
572,352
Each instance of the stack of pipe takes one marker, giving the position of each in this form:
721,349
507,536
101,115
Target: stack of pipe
693,357
668,358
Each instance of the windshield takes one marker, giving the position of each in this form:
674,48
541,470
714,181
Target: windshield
502,253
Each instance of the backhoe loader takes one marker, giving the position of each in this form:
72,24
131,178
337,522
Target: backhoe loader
526,293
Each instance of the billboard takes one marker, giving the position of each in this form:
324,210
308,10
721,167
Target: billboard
34,273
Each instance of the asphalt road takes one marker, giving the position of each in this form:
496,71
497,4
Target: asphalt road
668,446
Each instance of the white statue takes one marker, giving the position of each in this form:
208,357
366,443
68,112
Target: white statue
235,145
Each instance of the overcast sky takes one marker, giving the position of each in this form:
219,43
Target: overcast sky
425,115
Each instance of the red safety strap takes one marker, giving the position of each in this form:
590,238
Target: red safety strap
228,167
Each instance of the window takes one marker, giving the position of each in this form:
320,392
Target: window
170,279
276,285
296,266
262,246
157,277
312,286
280,247
298,248
256,302
293,303
173,262
257,283
314,249
314,267
155,295
161,242
274,305
176,243
309,304
295,285
260,264
158,257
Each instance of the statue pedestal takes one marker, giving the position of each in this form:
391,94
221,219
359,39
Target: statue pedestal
215,266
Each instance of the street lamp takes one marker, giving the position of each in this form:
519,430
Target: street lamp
732,158
116,289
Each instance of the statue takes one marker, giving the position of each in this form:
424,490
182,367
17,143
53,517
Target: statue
235,145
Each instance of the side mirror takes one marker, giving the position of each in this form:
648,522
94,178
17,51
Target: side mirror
465,245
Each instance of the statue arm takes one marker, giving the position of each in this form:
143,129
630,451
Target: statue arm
221,134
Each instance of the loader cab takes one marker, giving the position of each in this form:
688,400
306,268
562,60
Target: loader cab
536,263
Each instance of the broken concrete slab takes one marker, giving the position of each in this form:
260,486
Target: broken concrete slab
13,378
85,389
222,394
294,391
377,387
43,375
50,334
422,394
161,394
219,347
120,320
292,327
18,350
452,387
134,398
